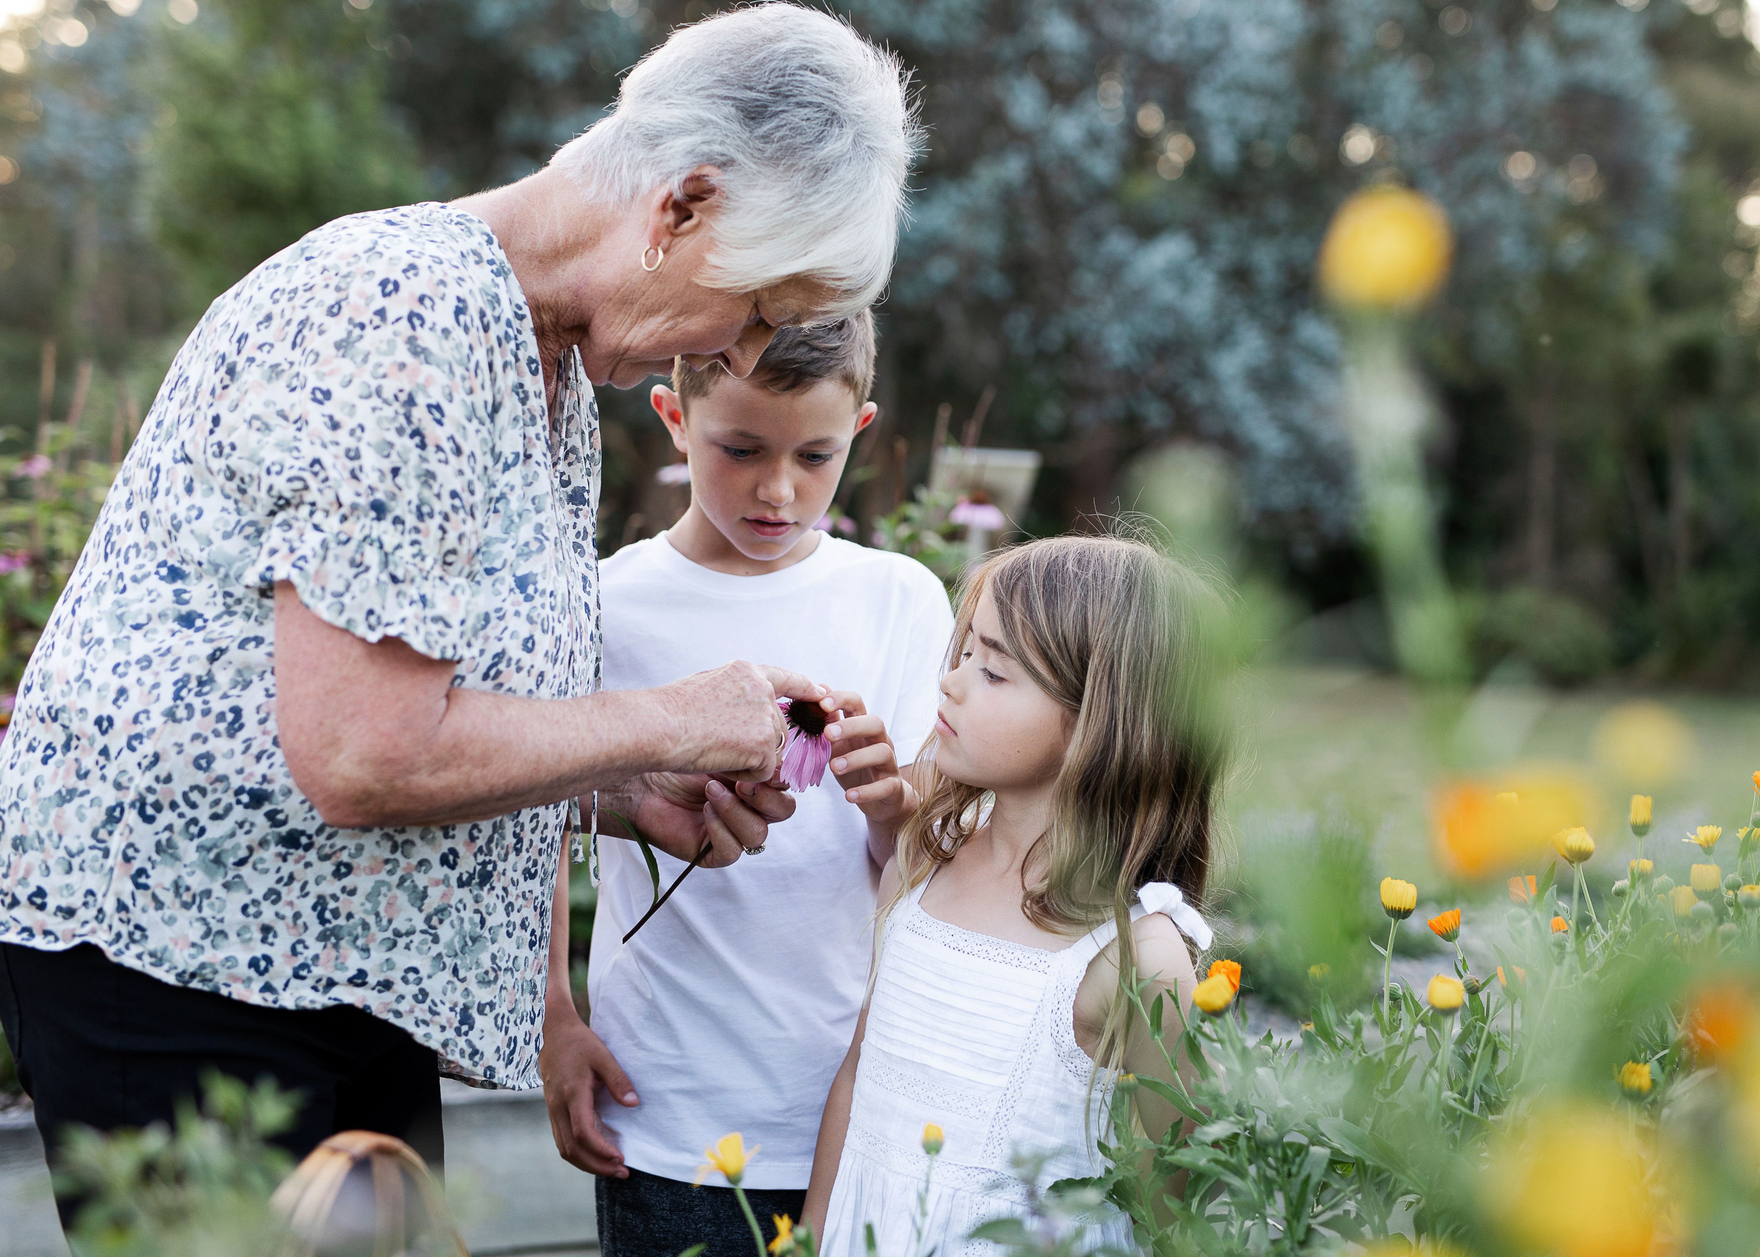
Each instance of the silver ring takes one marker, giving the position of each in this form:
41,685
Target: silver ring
757,850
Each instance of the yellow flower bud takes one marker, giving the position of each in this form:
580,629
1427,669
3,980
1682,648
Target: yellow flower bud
1574,844
1641,868
1634,1076
1682,899
1213,994
1320,972
1706,879
1446,994
933,1139
729,1155
1398,899
1387,248
1639,816
1749,896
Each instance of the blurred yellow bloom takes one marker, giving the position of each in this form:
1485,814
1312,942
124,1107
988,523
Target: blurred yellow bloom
784,1232
1639,816
1644,743
1640,868
1479,830
1320,972
1387,248
1213,994
1749,896
1398,898
1634,1076
1574,844
1756,780
1706,879
1722,1020
1446,925
1705,837
1446,994
1509,798
1572,1182
1682,899
933,1139
728,1156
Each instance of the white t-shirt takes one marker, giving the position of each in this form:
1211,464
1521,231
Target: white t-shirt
732,1009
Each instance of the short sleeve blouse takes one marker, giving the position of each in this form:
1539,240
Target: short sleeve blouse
363,415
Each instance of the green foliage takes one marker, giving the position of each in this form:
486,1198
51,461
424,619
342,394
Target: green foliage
1559,638
920,528
46,513
199,1188
280,126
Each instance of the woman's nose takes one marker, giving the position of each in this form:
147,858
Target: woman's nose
743,355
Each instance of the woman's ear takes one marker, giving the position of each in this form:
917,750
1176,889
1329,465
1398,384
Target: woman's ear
670,408
676,213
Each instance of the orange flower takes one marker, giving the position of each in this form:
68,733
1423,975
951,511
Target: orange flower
1756,783
1521,975
1446,926
1721,1019
1479,829
1560,925
1523,889
1230,969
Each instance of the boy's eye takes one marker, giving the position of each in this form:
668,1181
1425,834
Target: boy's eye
736,452
818,459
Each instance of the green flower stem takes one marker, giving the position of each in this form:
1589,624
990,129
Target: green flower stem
751,1219
1387,971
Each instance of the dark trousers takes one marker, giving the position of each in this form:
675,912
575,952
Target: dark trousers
101,1045
645,1215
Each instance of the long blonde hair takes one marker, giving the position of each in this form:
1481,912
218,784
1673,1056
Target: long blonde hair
1115,632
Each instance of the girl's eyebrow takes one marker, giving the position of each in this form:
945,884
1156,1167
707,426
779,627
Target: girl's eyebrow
995,645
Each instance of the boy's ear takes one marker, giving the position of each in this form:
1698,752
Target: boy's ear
865,416
667,405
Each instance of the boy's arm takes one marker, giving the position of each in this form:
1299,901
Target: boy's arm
832,1129
574,1063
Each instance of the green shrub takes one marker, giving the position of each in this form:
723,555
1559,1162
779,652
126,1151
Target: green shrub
1560,639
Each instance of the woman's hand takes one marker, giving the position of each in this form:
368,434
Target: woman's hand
865,764
576,1065
726,720
678,813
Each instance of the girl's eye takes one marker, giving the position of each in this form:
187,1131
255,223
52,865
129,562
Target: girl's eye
991,676
736,453
964,655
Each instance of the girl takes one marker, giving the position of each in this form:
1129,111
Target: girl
1060,846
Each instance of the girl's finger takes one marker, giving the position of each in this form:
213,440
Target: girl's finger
847,701
875,791
852,727
877,757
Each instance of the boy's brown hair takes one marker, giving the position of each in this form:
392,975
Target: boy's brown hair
798,358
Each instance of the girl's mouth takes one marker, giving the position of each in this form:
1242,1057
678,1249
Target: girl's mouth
942,728
769,529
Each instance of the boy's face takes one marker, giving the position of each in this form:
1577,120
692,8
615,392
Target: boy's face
764,465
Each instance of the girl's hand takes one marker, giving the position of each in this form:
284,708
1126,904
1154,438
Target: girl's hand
864,762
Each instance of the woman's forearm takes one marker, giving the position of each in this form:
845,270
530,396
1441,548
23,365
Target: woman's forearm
376,735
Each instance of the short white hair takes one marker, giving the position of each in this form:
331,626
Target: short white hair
810,126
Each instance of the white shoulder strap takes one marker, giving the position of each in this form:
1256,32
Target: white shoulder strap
1165,898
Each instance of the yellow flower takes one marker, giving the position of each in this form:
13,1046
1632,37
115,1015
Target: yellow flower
784,1233
1214,994
1320,972
1398,899
1509,798
1446,925
933,1139
1705,837
1706,879
1639,816
728,1156
1644,743
1573,1182
1479,831
1574,844
1749,896
1634,1076
1446,994
1387,248
1682,899
1640,868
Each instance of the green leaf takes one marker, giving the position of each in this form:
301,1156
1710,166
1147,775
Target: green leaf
647,850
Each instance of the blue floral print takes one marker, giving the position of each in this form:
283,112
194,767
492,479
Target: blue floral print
364,415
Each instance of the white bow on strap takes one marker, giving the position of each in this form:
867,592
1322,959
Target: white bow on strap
1165,898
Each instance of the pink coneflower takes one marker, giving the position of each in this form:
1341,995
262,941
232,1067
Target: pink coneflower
674,473
36,466
807,751
984,516
15,562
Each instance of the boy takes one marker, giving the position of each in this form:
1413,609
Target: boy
732,1008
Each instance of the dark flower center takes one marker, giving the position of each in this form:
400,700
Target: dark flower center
809,718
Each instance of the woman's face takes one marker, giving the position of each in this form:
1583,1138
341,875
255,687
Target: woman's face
997,730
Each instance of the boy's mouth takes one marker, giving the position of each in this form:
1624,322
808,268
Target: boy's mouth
770,529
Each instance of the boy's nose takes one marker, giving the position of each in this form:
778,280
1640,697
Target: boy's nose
776,492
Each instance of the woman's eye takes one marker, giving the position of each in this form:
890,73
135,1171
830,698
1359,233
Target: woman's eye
736,453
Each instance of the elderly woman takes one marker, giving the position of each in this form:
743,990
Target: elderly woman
288,781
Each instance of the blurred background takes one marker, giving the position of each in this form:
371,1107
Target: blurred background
1111,263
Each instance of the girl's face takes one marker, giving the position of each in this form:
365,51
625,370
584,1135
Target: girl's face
997,729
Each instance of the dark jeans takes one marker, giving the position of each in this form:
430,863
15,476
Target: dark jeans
645,1215
104,1046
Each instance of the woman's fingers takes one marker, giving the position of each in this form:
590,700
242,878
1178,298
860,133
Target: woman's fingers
747,828
726,847
788,684
770,799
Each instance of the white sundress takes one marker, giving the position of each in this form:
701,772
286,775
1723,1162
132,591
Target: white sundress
977,1035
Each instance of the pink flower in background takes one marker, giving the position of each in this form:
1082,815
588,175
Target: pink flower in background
824,524
674,473
846,526
984,516
14,562
36,466
807,751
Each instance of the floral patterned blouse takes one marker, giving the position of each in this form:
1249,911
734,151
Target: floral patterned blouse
364,416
